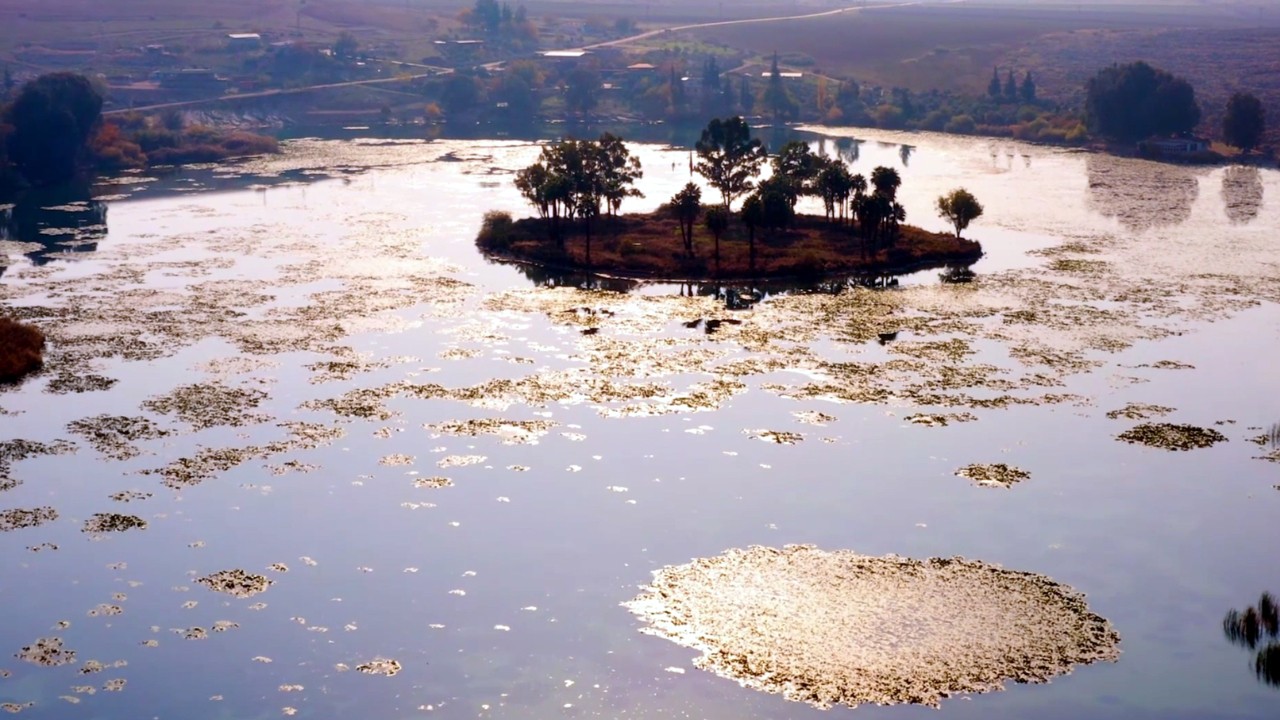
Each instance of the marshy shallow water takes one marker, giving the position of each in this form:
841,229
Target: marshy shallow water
299,449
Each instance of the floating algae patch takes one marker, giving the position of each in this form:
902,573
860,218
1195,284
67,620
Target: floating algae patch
380,666
206,405
993,474
236,582
113,522
125,496
830,628
510,432
939,419
47,652
460,460
814,417
114,435
17,450
1139,411
20,518
68,383
779,437
1172,437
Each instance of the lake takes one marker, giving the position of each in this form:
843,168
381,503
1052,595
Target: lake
300,367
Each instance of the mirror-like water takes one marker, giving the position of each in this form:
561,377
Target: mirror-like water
300,368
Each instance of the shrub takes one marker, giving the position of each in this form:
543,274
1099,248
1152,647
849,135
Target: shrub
21,349
154,139
889,117
187,154
962,124
243,143
497,230
936,120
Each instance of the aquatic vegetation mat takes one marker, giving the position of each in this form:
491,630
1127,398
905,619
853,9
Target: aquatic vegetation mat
114,436
380,666
838,628
20,518
993,474
113,522
1169,436
236,582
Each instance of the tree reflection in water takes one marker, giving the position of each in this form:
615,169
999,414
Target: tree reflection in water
1141,195
848,149
62,219
1242,194
1254,626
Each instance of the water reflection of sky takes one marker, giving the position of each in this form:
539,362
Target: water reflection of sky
1160,542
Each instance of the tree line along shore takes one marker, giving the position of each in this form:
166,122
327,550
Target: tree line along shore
577,188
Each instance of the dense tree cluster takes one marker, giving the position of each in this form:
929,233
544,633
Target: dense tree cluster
502,24
1135,101
49,125
576,179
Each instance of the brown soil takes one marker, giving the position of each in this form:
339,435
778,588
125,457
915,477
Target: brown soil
649,246
21,349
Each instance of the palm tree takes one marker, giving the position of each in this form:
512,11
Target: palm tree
752,217
717,221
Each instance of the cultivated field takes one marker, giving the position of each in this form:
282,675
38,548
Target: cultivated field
954,46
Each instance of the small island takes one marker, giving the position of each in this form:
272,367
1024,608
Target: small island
577,187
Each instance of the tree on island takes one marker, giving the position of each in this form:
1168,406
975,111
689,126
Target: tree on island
687,203
729,158
572,179
796,168
778,201
619,171
717,221
959,207
834,185
1135,101
752,217
52,118
1244,122
879,214
993,87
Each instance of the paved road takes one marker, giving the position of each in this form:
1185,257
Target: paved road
746,21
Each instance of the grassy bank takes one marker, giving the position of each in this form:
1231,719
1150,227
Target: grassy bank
21,349
649,246
138,142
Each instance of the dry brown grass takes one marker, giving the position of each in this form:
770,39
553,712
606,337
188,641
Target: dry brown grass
21,349
649,247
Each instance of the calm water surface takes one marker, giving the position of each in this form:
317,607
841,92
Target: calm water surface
499,595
